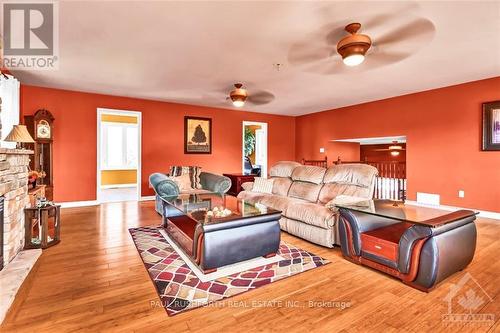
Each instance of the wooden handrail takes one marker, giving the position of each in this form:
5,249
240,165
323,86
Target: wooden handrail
391,180
386,169
320,163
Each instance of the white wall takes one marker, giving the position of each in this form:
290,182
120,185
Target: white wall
9,116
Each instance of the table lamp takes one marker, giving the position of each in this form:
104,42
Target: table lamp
19,134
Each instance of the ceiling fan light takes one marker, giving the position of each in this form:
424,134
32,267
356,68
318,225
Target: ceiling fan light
239,95
395,153
354,59
238,103
395,148
353,47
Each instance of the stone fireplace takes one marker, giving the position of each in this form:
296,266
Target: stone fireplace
14,189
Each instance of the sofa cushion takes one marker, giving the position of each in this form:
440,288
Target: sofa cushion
308,173
321,236
283,169
278,202
263,185
353,174
252,197
281,186
332,190
247,186
305,191
312,214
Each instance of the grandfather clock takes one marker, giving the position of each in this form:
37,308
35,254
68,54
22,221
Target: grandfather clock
40,126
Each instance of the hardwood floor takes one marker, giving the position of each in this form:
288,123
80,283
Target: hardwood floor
95,281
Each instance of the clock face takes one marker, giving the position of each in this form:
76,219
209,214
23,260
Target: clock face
43,130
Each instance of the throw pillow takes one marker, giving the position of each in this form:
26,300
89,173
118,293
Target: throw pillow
183,181
263,185
192,171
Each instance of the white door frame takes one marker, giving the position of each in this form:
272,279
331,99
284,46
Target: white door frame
100,112
264,128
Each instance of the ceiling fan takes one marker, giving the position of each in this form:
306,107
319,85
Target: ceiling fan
394,149
239,96
336,47
236,93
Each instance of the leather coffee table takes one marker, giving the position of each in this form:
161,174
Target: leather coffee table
211,242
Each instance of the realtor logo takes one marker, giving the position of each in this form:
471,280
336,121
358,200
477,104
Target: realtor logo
30,38
465,301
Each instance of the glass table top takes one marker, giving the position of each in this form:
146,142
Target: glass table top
210,208
398,210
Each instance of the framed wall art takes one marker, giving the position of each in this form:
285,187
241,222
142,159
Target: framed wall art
197,135
491,125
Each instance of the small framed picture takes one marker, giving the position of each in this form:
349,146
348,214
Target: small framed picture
491,125
197,135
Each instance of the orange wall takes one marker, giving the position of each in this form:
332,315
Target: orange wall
443,130
75,137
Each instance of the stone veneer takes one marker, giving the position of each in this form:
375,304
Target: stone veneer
14,186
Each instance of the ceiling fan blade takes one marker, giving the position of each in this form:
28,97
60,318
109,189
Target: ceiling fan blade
330,66
261,97
301,53
316,45
384,18
420,28
378,59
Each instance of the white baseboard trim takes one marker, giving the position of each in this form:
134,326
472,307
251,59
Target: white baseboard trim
482,213
71,204
118,186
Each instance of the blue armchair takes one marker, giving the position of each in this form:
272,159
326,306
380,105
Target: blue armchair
164,186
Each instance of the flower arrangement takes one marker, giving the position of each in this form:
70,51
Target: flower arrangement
33,175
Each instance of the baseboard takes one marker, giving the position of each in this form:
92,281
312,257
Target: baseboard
482,213
71,204
118,186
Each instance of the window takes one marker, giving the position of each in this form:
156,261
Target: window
9,93
119,149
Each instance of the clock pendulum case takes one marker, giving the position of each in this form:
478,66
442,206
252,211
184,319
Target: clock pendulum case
41,127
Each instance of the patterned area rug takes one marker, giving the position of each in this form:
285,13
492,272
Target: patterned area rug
179,288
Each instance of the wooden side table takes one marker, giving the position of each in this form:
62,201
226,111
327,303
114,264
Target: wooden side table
42,227
236,180
35,193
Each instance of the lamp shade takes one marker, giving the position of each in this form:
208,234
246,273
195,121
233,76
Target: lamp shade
19,133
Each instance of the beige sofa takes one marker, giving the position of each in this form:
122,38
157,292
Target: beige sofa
300,192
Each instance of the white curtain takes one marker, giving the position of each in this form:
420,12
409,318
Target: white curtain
9,92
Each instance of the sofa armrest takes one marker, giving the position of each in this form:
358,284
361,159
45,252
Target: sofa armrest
247,186
163,185
214,183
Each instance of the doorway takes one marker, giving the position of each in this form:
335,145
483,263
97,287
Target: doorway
118,155
387,154
254,148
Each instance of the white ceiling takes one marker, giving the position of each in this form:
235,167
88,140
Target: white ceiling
192,52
